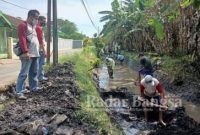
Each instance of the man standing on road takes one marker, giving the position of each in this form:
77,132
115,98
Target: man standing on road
40,35
29,59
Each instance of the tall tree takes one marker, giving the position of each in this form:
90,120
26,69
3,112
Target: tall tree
68,29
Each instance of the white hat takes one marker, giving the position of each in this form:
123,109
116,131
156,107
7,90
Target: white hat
107,58
148,79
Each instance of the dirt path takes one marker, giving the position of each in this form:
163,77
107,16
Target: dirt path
52,109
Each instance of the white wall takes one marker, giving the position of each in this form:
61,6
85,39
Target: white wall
68,44
77,44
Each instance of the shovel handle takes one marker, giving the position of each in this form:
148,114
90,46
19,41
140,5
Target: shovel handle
152,104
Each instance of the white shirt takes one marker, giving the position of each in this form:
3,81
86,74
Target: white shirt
33,43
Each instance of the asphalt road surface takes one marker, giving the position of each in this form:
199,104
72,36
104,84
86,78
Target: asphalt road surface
9,69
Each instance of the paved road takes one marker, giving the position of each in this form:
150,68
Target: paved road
9,72
9,69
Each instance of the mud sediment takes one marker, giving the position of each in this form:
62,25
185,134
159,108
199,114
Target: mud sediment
132,117
51,109
178,123
184,88
188,89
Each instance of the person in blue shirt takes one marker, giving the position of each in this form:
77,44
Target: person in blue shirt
120,57
146,67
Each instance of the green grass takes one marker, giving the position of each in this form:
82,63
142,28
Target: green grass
92,107
170,65
131,55
3,56
48,67
177,67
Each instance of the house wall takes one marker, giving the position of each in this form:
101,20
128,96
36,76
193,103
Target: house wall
77,44
63,44
68,44
3,42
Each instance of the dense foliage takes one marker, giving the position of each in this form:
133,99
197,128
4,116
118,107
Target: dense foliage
164,26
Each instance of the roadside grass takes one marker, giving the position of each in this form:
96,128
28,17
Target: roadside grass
131,55
93,110
179,67
171,65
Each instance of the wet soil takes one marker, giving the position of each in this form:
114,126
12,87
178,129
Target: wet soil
179,124
184,88
51,109
131,117
120,101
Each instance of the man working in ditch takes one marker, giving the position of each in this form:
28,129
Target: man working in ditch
146,68
110,65
120,57
152,94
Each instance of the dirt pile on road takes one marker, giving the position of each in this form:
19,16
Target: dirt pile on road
50,110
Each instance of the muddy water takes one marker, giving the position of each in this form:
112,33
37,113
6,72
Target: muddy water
124,76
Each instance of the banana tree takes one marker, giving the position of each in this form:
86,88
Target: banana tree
115,21
141,24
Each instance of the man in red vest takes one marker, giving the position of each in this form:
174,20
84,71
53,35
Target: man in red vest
40,35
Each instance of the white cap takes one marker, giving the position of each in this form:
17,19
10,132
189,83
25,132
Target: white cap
107,58
148,79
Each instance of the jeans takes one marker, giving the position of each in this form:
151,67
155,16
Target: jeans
41,66
30,68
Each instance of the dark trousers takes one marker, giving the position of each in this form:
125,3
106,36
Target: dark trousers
110,71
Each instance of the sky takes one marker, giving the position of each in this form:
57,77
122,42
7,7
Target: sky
71,10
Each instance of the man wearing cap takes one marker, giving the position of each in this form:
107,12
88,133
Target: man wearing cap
151,89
